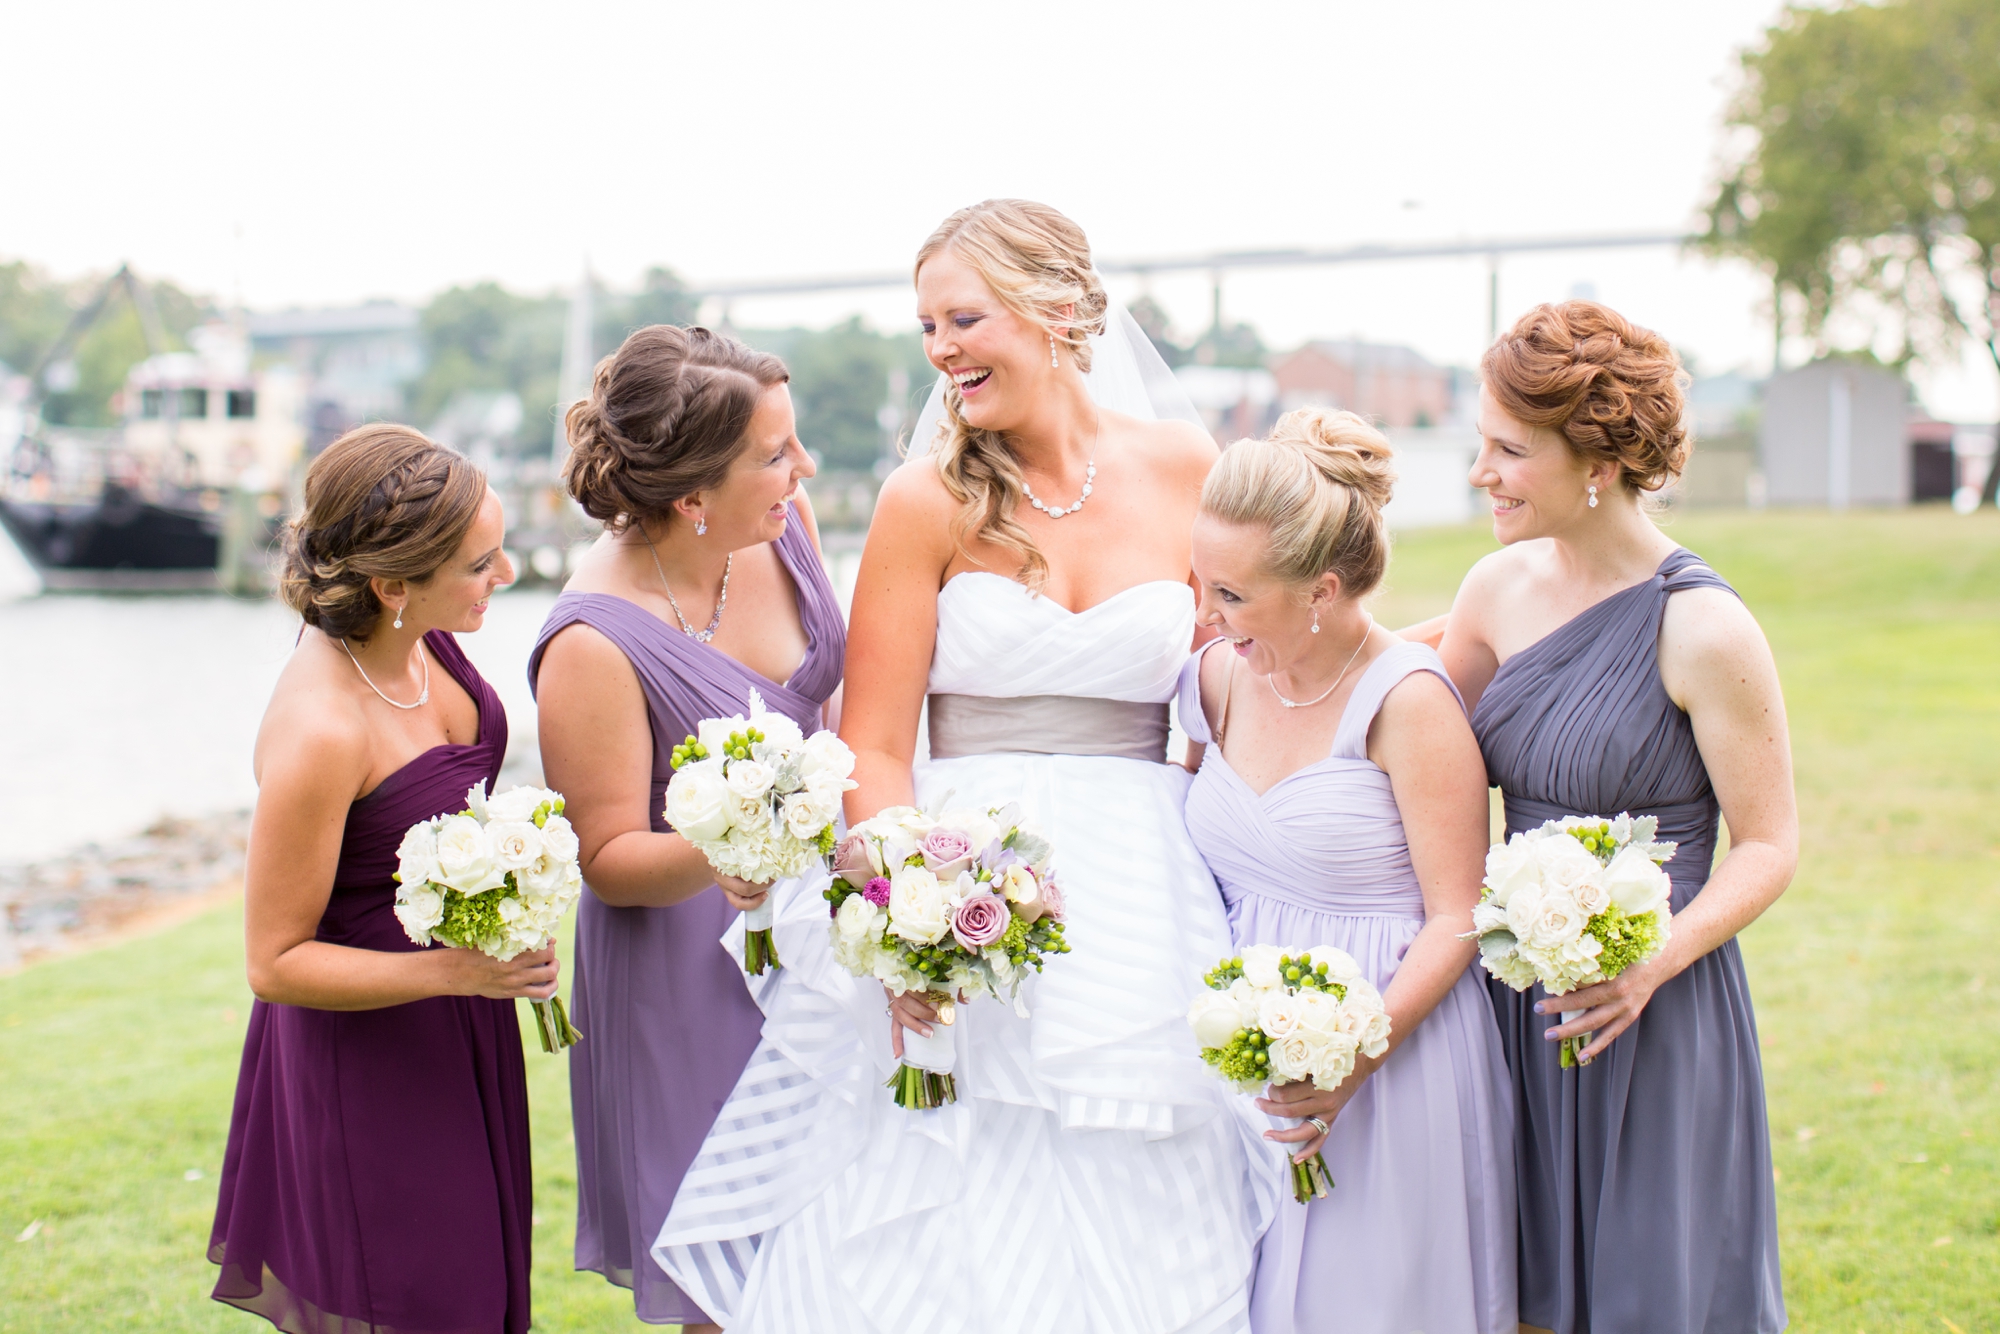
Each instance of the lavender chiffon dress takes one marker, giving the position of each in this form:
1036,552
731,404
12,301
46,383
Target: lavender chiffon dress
376,1179
1418,1233
668,1023
1647,1205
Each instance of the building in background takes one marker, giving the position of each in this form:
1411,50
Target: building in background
1235,402
1835,432
207,419
355,362
1393,386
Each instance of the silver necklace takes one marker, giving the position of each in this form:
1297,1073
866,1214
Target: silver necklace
422,699
1308,703
715,621
1089,476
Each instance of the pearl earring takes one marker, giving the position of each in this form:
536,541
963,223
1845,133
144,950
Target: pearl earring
399,620
1593,497
701,524
1315,620
1052,352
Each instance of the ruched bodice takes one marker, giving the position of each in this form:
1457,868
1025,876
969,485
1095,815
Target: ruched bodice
1645,1179
1328,837
996,638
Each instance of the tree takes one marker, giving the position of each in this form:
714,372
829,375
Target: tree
841,381
1866,181
484,337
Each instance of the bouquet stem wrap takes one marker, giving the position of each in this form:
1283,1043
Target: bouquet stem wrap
552,1023
1571,1046
924,1078
759,950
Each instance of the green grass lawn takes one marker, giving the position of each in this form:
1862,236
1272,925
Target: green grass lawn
1875,978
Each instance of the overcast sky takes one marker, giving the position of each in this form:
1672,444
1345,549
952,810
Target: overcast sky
329,153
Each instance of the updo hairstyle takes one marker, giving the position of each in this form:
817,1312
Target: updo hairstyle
382,502
665,418
1037,262
1614,391
1317,485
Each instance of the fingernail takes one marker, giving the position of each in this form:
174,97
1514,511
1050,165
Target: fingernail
1549,1034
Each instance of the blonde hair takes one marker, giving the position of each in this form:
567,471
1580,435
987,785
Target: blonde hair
1317,485
1614,391
1036,261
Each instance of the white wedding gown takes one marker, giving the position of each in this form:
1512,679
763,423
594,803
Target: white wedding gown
1093,1177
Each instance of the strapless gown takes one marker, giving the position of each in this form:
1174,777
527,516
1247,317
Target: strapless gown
1419,1231
1093,1175
376,1178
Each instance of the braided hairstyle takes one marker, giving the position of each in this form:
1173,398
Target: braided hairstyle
1317,485
1037,262
666,418
383,502
1616,392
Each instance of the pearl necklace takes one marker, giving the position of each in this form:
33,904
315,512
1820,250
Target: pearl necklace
1089,476
1308,703
422,699
715,621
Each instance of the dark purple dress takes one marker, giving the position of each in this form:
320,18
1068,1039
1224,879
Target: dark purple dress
1646,1199
668,1023
376,1180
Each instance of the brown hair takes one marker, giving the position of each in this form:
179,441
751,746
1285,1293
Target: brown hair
383,502
1615,392
1317,485
665,418
1036,261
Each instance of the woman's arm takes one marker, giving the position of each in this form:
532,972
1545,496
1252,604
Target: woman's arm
1465,645
317,762
892,630
597,750
1429,632
1716,665
1421,740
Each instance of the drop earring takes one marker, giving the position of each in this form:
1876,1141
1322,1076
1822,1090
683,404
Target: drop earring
1593,497
399,620
701,524
1052,352
1315,620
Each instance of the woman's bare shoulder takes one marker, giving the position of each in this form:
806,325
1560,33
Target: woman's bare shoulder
315,720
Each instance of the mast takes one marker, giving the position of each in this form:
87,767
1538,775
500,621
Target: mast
574,382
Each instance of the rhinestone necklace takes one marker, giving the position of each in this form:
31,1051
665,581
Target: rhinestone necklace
422,699
1308,703
1089,476
721,601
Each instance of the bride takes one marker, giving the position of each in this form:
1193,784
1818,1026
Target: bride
1030,575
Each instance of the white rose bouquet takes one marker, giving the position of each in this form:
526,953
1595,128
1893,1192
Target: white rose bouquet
1573,903
759,800
497,877
1277,1016
953,906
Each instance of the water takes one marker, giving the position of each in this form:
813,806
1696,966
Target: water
115,711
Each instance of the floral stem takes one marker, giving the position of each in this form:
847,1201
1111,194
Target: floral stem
1310,1179
1570,1048
919,1090
759,952
553,1025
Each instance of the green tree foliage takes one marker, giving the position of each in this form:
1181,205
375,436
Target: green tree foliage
484,337
35,308
842,378
1867,177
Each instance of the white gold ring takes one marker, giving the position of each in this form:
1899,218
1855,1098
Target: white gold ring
1317,1124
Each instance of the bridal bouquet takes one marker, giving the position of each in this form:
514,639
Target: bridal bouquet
497,877
759,800
1279,1016
957,905
1573,903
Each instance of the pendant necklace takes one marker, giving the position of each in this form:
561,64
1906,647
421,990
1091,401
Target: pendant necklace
1089,476
721,601
422,699
1308,703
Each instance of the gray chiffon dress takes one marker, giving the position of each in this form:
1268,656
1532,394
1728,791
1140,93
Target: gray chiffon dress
1646,1198
667,1022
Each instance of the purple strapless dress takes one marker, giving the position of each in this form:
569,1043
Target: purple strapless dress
377,1179
668,1023
1419,1231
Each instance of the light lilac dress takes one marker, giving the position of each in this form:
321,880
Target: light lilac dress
1419,1231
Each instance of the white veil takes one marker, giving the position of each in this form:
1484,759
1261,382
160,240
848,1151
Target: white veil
1126,375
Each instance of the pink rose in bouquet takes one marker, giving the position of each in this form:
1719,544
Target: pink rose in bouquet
980,921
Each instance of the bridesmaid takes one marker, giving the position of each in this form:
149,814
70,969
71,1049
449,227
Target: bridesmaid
1338,801
377,1170
686,450
1609,670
